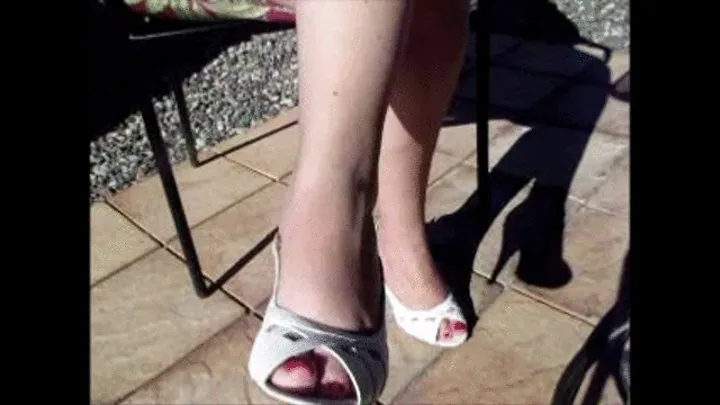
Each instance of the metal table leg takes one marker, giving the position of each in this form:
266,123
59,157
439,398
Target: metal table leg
164,168
185,126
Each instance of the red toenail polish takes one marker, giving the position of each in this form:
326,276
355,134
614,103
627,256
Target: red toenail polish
296,364
459,326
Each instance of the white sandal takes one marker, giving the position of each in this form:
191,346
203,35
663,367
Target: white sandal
285,334
425,324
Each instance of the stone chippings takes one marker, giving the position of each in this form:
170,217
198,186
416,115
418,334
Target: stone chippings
248,83
605,22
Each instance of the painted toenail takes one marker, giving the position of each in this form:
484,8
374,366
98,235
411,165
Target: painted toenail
296,364
459,326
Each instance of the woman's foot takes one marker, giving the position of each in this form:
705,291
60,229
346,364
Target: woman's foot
327,277
411,275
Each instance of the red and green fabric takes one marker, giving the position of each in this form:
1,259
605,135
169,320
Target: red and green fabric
268,10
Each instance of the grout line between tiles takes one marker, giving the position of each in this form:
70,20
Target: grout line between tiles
536,297
438,357
174,237
132,220
169,368
595,208
609,170
125,266
257,171
446,172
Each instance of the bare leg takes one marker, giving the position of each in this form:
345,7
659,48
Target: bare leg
426,77
347,54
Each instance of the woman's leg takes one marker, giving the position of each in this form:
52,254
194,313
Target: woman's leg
425,80
347,53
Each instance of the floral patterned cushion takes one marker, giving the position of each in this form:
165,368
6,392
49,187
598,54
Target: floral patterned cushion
268,10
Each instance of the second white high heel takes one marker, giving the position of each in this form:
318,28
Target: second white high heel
425,324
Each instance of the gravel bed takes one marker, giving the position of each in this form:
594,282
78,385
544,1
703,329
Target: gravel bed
606,22
256,80
246,84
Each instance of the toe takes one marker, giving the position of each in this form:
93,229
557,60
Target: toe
451,329
333,381
445,330
298,375
459,327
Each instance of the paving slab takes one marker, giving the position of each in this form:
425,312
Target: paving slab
204,191
544,58
409,357
227,238
517,355
558,157
143,320
594,250
518,90
114,242
273,156
589,107
613,196
214,373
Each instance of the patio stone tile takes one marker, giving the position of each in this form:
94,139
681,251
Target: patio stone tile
450,192
595,248
253,284
273,156
114,241
517,90
441,165
588,106
457,140
215,373
510,197
205,191
266,128
614,194
501,142
225,239
616,66
409,356
146,318
558,157
546,58
499,44
471,161
206,376
516,356
533,210
496,127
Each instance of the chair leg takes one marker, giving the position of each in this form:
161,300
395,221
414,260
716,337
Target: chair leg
164,168
185,126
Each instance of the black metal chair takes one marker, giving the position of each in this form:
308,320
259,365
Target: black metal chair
150,37
608,347
151,41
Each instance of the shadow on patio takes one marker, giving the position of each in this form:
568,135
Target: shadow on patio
529,83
